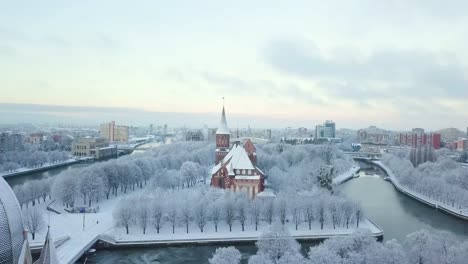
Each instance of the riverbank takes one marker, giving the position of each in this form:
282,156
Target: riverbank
195,236
462,214
47,166
351,173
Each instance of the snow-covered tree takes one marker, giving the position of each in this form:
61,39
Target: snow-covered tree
142,214
228,255
276,242
124,214
157,213
34,220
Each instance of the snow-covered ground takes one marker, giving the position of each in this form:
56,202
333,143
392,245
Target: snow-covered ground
101,226
461,213
346,175
45,166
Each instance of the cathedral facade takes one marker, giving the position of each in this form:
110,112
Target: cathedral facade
236,164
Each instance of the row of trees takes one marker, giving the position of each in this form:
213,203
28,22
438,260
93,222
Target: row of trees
110,178
205,206
299,168
277,247
30,158
444,180
32,192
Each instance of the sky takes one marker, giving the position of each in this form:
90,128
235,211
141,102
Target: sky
395,64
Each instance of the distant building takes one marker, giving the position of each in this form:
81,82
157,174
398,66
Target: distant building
36,139
451,145
319,131
450,134
462,144
330,129
417,130
267,134
194,135
97,148
11,142
114,133
373,134
326,130
302,130
415,140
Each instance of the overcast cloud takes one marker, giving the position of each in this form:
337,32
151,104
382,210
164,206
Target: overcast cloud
358,62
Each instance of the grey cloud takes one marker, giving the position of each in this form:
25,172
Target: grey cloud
262,88
231,82
405,73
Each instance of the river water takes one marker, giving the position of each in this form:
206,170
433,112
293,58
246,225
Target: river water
396,213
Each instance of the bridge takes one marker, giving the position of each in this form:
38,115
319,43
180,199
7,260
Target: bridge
364,155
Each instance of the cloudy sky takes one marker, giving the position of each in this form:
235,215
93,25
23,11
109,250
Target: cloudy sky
396,64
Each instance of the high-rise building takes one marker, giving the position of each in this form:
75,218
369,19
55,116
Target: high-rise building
462,144
330,129
327,130
319,131
418,139
114,133
11,142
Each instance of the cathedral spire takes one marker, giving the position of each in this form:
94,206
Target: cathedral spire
223,127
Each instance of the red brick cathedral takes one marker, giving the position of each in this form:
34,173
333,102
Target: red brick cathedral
236,166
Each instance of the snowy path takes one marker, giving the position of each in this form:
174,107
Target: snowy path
460,213
72,224
347,175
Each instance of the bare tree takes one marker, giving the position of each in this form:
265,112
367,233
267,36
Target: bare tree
216,213
157,210
347,213
123,214
201,212
281,206
186,211
255,209
34,220
142,214
230,212
321,214
268,210
309,212
241,205
296,206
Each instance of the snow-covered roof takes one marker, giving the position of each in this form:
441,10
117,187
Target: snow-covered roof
48,255
236,159
223,127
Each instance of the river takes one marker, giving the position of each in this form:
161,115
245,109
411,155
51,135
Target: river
20,179
396,213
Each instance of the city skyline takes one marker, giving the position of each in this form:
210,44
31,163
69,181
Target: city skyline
399,63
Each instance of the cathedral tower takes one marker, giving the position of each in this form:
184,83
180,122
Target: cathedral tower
222,139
